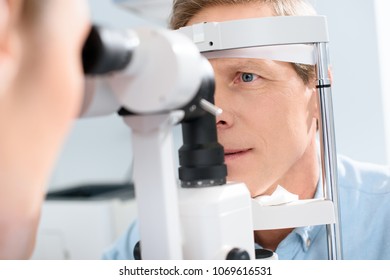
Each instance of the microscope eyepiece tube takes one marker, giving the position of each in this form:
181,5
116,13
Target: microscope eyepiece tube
201,157
107,50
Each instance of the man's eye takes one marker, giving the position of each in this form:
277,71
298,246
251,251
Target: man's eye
248,77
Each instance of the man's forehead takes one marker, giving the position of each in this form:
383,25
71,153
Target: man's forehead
227,12
237,63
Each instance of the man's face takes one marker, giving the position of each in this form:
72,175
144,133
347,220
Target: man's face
269,117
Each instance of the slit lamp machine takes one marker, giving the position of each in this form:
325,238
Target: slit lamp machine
156,78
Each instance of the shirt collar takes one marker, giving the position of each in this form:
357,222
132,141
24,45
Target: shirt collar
307,234
301,236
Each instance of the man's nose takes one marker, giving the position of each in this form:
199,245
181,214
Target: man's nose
222,100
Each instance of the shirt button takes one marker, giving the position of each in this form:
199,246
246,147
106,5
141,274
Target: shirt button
308,242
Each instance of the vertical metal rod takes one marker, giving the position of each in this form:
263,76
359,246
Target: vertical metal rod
328,150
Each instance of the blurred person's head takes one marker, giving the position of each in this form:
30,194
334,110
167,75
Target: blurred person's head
41,86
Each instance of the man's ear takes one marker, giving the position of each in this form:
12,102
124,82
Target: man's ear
317,105
330,74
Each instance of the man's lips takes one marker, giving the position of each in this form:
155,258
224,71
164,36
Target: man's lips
231,154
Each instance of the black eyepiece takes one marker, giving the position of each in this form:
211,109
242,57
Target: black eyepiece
107,50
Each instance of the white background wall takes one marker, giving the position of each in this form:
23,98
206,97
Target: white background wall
358,101
99,149
382,8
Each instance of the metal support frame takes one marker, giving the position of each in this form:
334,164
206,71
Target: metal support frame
328,150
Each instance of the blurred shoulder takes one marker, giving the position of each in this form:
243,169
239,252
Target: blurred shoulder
367,177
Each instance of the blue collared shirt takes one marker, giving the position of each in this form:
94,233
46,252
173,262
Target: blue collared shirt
364,195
